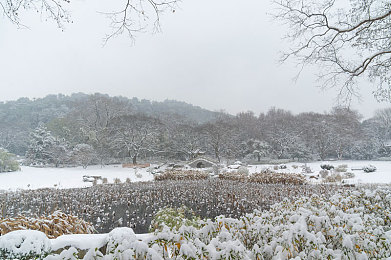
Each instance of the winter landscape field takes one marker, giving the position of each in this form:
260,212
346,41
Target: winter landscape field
139,216
195,130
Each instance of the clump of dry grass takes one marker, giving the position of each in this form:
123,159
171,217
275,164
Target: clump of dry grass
233,176
277,178
54,225
265,177
182,175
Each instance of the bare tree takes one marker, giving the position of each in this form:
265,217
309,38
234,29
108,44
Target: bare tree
135,134
345,130
219,136
348,39
95,118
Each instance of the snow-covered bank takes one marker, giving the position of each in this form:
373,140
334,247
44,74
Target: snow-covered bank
63,178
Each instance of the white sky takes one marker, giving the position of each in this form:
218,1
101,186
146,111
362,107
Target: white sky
219,54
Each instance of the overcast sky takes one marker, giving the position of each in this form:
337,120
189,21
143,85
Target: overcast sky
220,54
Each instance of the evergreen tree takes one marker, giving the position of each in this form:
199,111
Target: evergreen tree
40,150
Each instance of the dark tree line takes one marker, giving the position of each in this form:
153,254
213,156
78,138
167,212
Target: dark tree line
102,129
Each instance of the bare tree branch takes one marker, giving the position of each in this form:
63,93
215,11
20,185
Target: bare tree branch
137,16
347,39
53,9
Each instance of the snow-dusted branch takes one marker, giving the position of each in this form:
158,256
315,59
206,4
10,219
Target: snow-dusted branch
347,39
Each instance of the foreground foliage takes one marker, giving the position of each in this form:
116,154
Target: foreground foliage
352,224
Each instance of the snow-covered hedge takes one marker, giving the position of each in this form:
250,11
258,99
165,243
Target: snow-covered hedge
24,244
349,225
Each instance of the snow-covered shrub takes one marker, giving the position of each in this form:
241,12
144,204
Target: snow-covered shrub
295,166
336,177
117,181
283,166
348,175
266,170
128,181
243,170
324,173
326,167
369,168
123,244
306,169
275,167
8,161
173,218
24,244
105,181
349,225
342,168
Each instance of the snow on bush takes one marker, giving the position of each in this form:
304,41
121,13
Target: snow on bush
24,244
243,170
369,168
327,167
348,175
324,173
349,225
342,168
174,218
8,161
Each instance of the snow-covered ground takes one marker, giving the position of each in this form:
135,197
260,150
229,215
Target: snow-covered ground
62,178
381,175
35,178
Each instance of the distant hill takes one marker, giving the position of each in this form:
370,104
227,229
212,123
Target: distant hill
20,116
172,107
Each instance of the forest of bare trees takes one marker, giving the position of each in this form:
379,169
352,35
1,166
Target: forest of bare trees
98,129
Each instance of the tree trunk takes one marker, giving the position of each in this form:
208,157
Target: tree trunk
134,159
